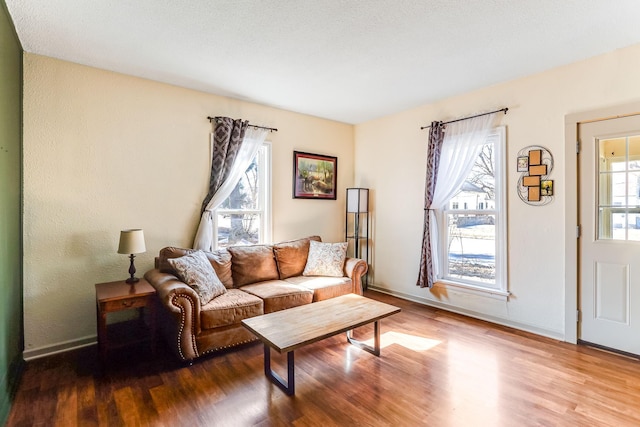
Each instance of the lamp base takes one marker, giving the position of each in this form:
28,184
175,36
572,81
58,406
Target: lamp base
132,271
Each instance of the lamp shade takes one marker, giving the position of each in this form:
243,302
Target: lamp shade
131,242
357,200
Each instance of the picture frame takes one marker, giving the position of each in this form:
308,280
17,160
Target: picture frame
539,170
534,194
535,157
523,163
531,181
314,176
546,187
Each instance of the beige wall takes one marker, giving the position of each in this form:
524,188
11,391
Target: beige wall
391,156
105,152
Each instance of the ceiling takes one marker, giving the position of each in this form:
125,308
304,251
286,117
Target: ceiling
345,60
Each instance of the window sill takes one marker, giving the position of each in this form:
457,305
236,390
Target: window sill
498,294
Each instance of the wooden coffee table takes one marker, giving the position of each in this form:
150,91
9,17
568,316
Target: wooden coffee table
287,330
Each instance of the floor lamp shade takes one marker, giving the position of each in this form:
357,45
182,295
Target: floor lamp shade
357,200
131,242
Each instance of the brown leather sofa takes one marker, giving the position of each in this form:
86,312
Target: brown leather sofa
259,279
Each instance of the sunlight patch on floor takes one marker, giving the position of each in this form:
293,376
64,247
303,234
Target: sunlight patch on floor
412,342
473,383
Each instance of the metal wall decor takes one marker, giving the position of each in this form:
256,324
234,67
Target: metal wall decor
535,164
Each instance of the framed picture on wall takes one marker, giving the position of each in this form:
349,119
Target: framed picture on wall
534,194
546,188
535,157
523,163
314,176
531,181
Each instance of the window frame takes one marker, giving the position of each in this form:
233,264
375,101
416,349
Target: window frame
500,288
264,199
614,207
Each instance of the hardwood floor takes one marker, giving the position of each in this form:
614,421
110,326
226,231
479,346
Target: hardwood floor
436,369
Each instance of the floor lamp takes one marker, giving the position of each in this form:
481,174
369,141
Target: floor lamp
358,211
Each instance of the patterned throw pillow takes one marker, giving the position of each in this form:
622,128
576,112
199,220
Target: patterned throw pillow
325,259
196,271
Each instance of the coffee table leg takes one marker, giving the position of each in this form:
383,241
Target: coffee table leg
287,386
375,350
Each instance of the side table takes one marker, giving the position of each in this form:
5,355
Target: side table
112,297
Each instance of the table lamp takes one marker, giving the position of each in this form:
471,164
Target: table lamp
132,242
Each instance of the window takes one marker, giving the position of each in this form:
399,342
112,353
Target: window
619,188
473,240
244,218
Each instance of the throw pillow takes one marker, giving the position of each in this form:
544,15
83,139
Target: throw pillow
251,264
196,271
291,256
220,260
325,259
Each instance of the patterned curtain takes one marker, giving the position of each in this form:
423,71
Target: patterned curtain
426,275
228,137
227,140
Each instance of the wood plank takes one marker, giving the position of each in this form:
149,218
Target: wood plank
66,408
437,369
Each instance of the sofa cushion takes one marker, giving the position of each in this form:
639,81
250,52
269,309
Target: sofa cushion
220,261
324,287
279,295
230,309
291,256
195,270
251,264
325,259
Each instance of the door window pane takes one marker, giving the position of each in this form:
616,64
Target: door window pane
619,188
633,197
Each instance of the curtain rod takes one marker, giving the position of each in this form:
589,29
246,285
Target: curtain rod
253,126
470,117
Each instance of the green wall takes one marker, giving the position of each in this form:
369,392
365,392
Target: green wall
11,341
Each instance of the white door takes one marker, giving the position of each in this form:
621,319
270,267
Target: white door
609,199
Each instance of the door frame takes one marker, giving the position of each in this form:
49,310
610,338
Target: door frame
572,123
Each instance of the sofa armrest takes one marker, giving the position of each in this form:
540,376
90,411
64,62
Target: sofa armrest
182,307
355,268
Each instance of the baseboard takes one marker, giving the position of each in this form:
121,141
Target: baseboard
626,354
62,347
12,380
557,335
